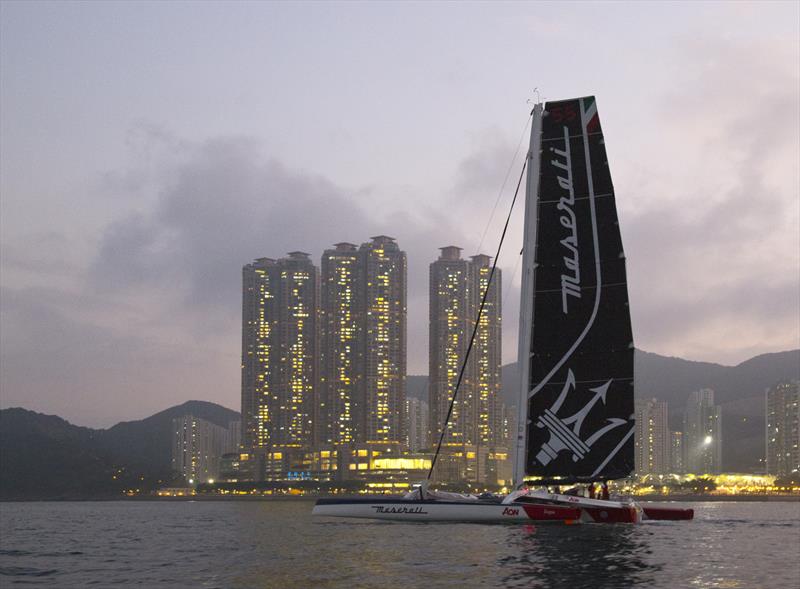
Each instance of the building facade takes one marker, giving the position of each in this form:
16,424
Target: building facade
487,351
474,429
702,434
653,439
783,429
385,335
342,418
198,445
418,422
449,331
280,359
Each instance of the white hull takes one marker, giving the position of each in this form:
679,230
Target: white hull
410,510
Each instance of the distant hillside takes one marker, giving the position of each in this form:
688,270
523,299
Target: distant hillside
739,389
147,443
46,457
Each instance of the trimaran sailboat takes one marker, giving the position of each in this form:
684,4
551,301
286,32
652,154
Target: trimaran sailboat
575,346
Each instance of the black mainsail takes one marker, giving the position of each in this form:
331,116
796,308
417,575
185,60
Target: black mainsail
576,344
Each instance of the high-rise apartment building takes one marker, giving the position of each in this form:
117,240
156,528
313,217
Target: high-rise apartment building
652,442
702,434
783,429
385,270
418,421
487,351
363,351
457,287
280,357
198,445
342,418
450,327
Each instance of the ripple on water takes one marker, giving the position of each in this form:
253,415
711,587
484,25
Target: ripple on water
279,544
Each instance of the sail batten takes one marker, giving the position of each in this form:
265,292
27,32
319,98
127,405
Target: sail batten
578,378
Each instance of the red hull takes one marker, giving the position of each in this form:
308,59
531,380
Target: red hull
551,512
668,513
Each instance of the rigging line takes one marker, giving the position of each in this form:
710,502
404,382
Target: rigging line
477,323
503,186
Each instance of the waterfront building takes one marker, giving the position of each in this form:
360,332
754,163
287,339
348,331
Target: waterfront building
702,434
474,429
783,429
385,333
342,417
449,332
652,441
486,353
279,360
198,445
235,467
418,421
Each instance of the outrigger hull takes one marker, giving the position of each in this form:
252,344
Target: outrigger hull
414,510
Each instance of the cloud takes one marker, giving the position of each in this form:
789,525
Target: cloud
225,205
58,357
713,248
154,317
708,205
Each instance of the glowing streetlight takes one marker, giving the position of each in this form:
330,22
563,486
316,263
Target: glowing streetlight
707,440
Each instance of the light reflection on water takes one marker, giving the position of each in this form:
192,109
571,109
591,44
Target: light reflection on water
278,544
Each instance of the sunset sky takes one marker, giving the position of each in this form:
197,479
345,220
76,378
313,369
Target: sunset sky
149,150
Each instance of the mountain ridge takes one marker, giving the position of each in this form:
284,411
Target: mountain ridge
46,457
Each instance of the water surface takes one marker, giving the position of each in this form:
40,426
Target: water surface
278,544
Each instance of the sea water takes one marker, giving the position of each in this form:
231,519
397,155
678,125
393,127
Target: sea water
279,544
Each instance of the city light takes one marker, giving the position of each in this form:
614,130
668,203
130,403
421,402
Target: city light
707,440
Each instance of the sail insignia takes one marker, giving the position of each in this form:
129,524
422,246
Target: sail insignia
580,371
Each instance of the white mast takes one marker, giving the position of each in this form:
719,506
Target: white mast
526,296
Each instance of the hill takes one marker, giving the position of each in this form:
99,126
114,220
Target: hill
738,389
46,457
147,443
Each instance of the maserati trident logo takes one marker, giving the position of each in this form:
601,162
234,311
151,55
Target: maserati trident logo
565,433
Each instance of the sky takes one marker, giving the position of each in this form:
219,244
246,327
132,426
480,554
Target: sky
149,150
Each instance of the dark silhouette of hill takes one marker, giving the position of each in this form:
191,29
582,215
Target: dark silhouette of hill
147,443
46,457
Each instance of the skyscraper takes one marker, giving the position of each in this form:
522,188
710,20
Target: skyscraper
385,269
783,429
457,287
702,434
279,357
487,350
652,444
342,417
450,309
